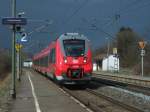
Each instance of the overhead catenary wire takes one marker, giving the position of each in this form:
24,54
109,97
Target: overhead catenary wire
94,27
134,7
130,5
128,9
76,12
40,27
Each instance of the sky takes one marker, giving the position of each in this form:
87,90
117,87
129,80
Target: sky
93,18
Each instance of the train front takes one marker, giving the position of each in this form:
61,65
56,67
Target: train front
74,64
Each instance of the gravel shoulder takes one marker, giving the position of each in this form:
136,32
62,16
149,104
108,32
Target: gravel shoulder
134,99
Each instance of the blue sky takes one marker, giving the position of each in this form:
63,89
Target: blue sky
77,16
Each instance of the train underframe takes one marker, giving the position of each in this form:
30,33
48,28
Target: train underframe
74,76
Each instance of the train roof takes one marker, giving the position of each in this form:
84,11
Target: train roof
72,36
60,38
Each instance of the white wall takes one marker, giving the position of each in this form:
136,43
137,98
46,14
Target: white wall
27,64
94,67
110,64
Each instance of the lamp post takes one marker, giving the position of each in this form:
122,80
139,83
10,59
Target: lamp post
108,47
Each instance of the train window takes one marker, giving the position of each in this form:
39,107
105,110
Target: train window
74,47
52,56
45,63
41,62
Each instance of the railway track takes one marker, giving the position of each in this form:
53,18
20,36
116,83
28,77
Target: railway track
99,102
115,81
121,104
136,81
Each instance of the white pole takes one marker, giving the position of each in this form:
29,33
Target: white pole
18,77
108,54
142,62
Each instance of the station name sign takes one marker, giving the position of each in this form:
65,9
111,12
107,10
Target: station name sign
14,21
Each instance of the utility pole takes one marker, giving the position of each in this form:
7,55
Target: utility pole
108,47
13,90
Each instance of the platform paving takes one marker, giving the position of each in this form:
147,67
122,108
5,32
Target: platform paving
38,94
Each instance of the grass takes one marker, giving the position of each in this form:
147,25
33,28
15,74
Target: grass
5,86
122,71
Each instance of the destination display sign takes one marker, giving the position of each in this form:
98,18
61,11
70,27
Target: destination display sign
14,21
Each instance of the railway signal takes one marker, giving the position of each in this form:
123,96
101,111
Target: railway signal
142,45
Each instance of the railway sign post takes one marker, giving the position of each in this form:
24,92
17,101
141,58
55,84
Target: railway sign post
24,37
142,45
14,21
21,37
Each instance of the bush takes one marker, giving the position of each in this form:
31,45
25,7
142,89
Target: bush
5,63
137,68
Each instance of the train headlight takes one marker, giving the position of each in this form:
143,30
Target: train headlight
65,59
85,59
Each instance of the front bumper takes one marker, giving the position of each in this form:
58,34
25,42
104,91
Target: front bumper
66,80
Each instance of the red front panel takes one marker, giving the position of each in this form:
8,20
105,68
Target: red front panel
72,62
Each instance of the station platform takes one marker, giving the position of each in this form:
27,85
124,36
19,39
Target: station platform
36,93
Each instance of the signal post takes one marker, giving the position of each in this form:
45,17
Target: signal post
142,45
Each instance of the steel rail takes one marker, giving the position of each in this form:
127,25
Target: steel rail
126,80
124,85
125,106
90,105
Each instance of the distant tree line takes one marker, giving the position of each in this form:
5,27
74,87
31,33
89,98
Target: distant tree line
127,44
126,41
5,63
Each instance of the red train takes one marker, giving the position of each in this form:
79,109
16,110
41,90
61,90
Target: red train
66,60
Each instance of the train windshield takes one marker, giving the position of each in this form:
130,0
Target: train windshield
74,47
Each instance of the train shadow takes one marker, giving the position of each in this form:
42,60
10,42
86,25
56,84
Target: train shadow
90,85
95,84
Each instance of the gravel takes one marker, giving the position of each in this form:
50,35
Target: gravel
4,95
131,98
